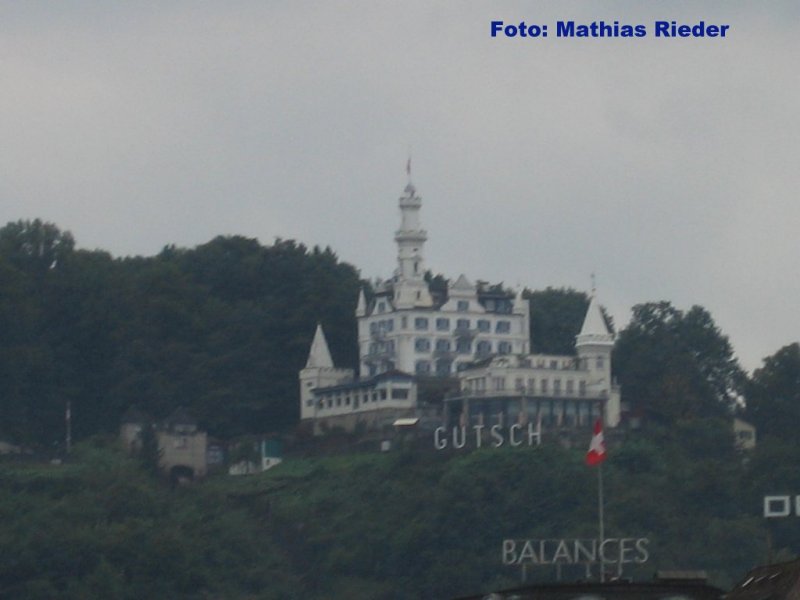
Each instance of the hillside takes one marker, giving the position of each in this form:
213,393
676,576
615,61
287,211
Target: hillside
396,525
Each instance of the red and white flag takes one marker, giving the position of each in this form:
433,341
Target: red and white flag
597,447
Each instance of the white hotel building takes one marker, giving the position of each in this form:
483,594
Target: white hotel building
409,328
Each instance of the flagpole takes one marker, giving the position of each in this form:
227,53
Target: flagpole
595,458
600,513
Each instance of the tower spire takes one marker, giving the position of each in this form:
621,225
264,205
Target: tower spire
410,286
319,355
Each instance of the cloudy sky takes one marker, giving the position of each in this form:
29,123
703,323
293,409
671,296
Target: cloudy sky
668,167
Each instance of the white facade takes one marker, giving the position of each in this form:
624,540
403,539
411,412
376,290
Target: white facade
408,328
319,372
479,332
560,390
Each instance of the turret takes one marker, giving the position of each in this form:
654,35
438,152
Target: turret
318,372
410,288
594,345
361,307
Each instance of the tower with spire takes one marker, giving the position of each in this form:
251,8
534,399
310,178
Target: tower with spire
408,326
594,345
410,288
319,372
411,326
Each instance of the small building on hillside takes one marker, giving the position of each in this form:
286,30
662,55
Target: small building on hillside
182,447
256,457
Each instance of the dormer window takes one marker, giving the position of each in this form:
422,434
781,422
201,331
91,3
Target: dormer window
462,305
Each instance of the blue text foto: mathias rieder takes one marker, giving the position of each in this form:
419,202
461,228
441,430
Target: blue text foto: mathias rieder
606,29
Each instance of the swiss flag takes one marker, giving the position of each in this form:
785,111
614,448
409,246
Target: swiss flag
597,447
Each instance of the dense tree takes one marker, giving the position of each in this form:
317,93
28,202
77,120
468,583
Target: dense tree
773,398
677,364
556,318
222,329
35,246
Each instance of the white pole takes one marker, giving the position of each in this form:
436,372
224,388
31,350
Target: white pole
600,513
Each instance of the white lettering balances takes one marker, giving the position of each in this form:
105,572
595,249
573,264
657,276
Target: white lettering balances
493,437
573,551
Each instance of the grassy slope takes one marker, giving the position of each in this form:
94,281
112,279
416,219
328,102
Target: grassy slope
366,526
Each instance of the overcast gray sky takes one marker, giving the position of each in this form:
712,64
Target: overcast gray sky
666,166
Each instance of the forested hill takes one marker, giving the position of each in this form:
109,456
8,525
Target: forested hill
223,329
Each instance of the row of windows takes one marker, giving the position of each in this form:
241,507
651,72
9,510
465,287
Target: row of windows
382,347
441,324
499,306
551,412
442,367
570,364
462,346
498,384
345,399
376,326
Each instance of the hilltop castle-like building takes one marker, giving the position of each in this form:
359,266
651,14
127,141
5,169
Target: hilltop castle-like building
477,333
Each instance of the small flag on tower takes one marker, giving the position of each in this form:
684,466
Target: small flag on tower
408,167
597,447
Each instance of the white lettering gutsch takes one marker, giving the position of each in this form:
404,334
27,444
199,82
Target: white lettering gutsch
461,437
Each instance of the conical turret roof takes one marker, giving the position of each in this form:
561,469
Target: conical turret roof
319,355
594,329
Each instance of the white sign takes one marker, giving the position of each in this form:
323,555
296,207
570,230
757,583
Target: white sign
615,551
460,437
780,506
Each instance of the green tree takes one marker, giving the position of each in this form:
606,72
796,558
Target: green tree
35,245
556,318
677,364
773,397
